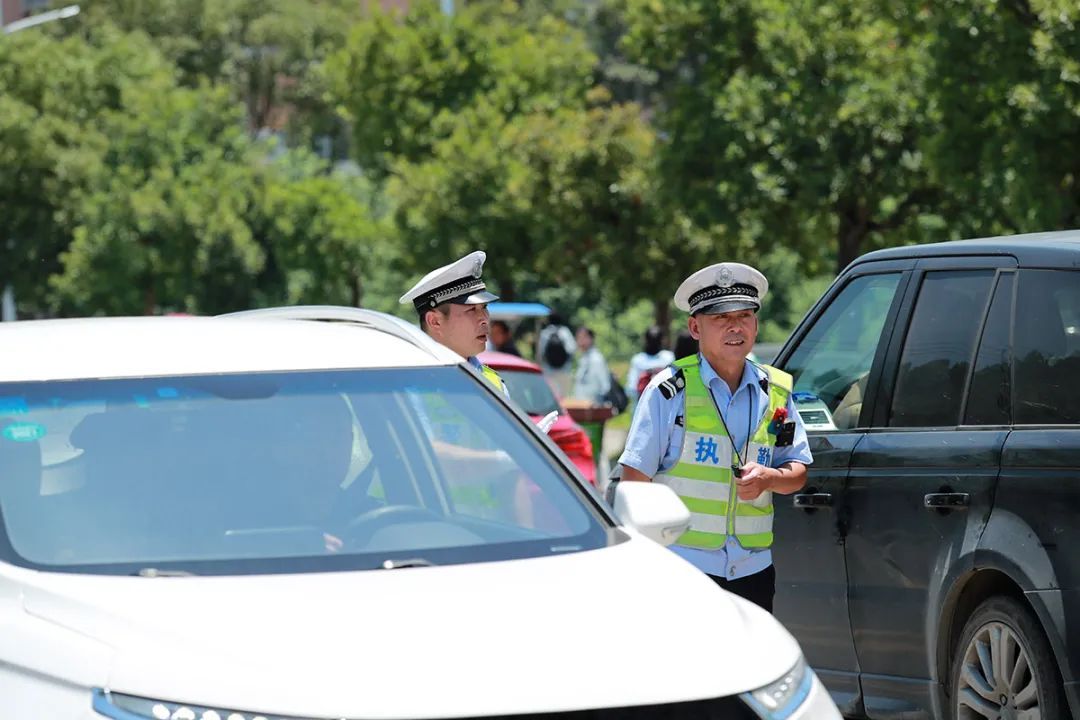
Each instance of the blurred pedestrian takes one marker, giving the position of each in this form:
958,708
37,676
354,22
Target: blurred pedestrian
592,379
652,359
556,347
685,345
501,338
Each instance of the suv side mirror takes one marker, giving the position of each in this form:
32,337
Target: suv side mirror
654,510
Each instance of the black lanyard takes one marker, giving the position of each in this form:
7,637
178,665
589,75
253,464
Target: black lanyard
736,468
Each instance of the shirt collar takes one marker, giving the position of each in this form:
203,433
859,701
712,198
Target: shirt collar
474,362
750,375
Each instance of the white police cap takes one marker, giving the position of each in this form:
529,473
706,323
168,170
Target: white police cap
458,283
722,288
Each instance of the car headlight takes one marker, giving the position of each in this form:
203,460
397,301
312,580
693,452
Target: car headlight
782,697
130,707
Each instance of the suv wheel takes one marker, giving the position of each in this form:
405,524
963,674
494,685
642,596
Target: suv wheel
1004,668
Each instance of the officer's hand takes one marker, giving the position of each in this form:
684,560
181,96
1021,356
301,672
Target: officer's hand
754,480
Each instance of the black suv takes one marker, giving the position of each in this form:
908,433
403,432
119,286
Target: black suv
928,569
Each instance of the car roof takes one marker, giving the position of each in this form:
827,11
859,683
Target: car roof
158,346
1031,249
506,361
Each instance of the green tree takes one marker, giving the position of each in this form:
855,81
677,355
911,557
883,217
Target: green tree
793,123
1006,82
165,228
51,148
558,198
194,218
403,82
493,133
323,238
270,52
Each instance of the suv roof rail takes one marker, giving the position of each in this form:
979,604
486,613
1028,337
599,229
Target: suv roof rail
373,319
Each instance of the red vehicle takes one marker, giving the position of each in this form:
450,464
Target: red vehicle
531,391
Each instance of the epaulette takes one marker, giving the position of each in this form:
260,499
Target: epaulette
673,385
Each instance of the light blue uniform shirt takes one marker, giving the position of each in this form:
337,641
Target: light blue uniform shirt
655,443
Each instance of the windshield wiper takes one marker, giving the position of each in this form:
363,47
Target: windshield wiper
406,563
151,572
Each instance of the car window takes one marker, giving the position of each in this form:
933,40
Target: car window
277,472
938,348
989,397
1047,329
832,361
530,391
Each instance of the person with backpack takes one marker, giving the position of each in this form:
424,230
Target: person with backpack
643,365
556,347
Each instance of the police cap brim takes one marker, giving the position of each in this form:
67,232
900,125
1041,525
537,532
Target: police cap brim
476,298
726,306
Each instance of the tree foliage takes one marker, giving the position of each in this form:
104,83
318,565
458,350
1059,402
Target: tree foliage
404,82
52,94
545,194
796,123
1007,84
599,150
166,226
269,52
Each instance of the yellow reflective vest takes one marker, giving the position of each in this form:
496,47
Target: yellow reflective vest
493,377
472,495
703,475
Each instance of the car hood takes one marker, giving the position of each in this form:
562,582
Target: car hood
624,625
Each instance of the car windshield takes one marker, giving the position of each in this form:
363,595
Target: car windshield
530,391
277,472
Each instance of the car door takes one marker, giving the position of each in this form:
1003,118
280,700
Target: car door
834,356
921,481
1039,478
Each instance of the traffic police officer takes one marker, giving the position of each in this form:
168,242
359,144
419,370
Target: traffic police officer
452,304
723,432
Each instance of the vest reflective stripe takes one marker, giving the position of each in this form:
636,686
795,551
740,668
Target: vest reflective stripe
492,377
695,488
717,524
702,476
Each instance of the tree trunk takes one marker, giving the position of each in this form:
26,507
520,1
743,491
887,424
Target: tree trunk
357,295
507,291
149,298
662,318
854,227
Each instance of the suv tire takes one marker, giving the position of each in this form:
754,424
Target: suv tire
1003,666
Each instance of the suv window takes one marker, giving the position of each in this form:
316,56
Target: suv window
938,349
1047,347
832,362
989,396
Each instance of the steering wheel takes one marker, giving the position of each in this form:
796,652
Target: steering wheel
362,527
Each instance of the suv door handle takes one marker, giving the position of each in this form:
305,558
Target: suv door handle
812,501
946,500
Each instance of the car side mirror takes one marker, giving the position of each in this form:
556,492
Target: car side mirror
654,510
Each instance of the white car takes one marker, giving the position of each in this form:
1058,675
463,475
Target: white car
262,516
